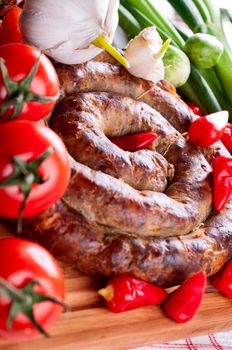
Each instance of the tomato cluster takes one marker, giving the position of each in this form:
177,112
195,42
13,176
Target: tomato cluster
29,89
34,174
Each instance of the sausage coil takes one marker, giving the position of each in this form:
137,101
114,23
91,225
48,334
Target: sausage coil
147,213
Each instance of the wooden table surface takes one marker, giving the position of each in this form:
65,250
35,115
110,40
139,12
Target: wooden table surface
89,325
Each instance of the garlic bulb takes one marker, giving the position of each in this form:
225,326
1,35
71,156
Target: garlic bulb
65,30
144,54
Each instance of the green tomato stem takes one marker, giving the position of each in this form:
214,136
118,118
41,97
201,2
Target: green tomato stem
102,43
25,175
18,93
10,291
23,301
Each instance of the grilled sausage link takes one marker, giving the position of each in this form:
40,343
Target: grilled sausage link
83,121
102,76
123,212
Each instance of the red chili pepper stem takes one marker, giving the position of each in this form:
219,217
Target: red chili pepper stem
107,293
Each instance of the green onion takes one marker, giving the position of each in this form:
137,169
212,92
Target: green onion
156,18
213,11
226,14
143,21
189,12
224,72
128,22
202,8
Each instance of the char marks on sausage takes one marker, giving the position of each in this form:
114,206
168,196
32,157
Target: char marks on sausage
147,213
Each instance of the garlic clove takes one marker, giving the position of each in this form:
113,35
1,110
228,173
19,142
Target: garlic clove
144,54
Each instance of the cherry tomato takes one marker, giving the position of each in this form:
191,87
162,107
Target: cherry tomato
26,100
205,131
10,27
196,110
22,262
28,141
227,137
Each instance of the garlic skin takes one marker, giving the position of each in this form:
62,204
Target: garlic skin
144,54
64,30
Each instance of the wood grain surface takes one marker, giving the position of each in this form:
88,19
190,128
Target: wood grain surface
88,325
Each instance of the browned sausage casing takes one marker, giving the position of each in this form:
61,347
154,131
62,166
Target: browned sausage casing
147,213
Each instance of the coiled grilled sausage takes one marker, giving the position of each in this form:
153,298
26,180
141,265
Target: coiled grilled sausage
112,220
83,121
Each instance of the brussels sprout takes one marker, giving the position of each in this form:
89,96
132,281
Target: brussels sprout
204,50
177,66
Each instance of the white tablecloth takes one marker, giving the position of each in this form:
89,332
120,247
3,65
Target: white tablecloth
219,341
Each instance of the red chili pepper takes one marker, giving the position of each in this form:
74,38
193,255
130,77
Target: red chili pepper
204,131
134,142
222,181
227,137
196,110
222,281
183,303
124,293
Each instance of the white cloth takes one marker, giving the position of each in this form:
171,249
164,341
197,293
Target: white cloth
219,341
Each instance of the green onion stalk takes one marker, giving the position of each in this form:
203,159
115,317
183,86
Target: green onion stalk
210,89
212,23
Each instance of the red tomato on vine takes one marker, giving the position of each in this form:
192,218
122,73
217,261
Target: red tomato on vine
29,85
32,289
34,169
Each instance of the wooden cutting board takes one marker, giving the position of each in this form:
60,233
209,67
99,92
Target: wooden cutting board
89,325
